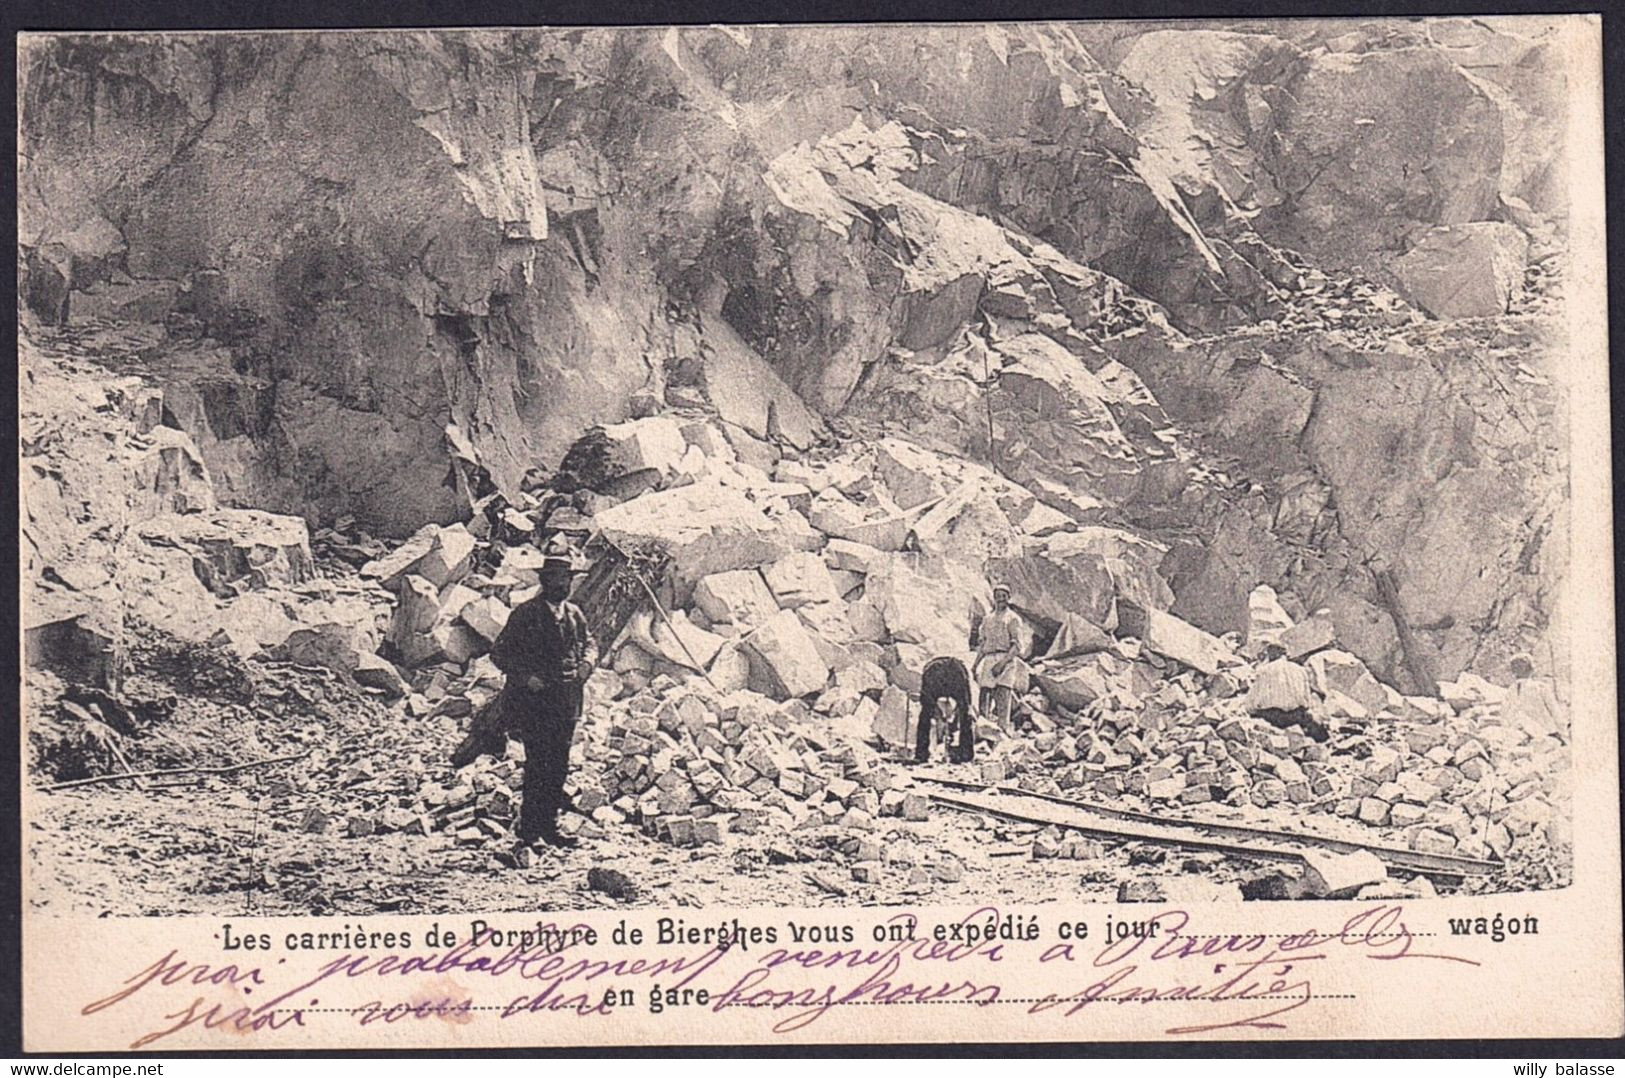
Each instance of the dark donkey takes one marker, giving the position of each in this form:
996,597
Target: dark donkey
945,679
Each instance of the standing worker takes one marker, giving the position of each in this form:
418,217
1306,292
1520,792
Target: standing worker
1001,651
547,653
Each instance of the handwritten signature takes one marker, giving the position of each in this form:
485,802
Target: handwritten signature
1258,968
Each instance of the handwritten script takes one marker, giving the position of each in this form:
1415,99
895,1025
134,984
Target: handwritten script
1206,981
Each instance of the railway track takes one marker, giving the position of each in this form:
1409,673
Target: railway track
1013,803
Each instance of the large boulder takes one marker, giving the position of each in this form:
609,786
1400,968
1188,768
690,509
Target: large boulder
969,526
453,600
1338,671
449,558
393,567
794,530
738,597
750,394
456,642
417,608
440,555
867,620
78,642
785,661
1317,631
847,556
258,617
486,616
877,523
905,665
1465,271
170,474
913,476
1077,635
1084,573
833,633
927,601
375,673
800,578
236,548
330,646
522,564
448,636
704,527
1174,638
654,443
336,633
1073,683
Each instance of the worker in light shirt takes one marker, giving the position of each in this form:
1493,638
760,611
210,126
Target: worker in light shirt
1003,642
1283,695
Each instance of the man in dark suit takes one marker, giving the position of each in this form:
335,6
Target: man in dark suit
547,653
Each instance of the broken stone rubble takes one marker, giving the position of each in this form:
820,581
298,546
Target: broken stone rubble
696,756
1155,719
909,606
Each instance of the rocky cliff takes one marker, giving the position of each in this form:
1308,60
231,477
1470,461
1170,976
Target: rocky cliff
1278,302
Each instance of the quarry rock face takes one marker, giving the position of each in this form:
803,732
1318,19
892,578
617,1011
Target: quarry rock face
422,275
1371,146
1520,69
409,227
705,529
1092,279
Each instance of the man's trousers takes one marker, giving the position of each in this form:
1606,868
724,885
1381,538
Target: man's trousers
546,726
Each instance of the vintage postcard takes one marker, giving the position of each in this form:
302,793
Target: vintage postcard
800,534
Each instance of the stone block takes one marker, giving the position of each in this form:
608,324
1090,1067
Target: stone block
738,597
800,578
784,659
1341,875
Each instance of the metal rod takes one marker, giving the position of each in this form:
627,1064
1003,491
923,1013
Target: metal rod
138,775
661,610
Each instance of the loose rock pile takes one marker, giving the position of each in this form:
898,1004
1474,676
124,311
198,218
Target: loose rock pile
1480,773
693,766
770,697
804,595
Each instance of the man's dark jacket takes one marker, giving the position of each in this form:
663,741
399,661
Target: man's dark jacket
533,644
537,644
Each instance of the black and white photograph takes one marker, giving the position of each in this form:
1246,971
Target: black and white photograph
712,467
